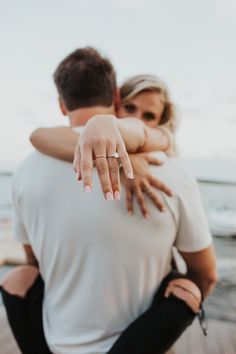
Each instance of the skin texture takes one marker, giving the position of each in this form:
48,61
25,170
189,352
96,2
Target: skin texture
144,182
185,290
146,106
201,268
104,135
19,280
60,142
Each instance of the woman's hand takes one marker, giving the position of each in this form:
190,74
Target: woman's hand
101,141
144,182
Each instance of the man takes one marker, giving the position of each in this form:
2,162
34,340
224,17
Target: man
100,267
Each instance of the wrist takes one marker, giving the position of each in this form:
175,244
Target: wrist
133,132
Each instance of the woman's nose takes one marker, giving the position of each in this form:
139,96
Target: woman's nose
139,115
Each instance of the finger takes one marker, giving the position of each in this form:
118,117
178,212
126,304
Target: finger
154,161
86,167
76,164
104,177
125,161
100,152
155,182
152,195
114,172
141,201
76,161
129,200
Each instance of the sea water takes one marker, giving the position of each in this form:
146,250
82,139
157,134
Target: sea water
5,196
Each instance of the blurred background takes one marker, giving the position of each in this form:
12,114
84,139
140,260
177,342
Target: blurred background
189,44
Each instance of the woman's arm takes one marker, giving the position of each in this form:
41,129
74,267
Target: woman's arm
102,137
153,139
59,142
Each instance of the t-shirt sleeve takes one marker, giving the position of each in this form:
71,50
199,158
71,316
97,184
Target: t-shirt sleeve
193,230
19,230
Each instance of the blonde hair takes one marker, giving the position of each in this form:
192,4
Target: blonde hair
140,83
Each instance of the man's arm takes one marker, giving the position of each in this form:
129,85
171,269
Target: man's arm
30,256
201,268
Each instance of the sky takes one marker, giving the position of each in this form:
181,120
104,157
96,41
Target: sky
190,44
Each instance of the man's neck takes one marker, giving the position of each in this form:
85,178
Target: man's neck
80,116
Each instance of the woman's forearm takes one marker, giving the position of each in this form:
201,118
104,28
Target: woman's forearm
58,142
140,138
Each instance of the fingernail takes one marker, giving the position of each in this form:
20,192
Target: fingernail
130,175
130,213
87,189
77,176
109,196
146,216
117,195
163,208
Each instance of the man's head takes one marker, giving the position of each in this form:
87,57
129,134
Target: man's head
85,79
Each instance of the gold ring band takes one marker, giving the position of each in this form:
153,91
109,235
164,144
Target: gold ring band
100,156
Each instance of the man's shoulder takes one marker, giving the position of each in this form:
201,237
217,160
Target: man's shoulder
36,158
36,164
173,171
181,170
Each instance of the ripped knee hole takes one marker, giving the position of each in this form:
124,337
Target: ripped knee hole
185,290
18,281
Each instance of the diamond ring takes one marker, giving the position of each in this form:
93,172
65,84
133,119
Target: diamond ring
115,155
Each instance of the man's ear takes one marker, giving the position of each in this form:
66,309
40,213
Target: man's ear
117,98
62,106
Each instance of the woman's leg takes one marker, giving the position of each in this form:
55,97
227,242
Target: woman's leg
173,309
22,293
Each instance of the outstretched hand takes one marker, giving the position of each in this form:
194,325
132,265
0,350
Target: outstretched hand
102,142
144,183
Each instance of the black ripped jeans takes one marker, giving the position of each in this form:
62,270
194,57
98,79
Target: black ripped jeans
154,332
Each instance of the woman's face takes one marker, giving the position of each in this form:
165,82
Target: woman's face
147,106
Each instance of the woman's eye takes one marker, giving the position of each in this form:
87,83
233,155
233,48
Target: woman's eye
130,108
148,116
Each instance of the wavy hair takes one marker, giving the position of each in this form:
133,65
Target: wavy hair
143,83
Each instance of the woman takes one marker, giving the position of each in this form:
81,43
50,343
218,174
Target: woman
145,97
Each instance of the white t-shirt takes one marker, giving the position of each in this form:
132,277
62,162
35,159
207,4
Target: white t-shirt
101,266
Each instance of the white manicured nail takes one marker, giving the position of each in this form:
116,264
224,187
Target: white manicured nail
87,189
109,196
130,175
117,195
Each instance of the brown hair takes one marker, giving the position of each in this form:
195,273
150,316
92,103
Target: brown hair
85,79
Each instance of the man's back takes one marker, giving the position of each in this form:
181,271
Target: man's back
100,266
